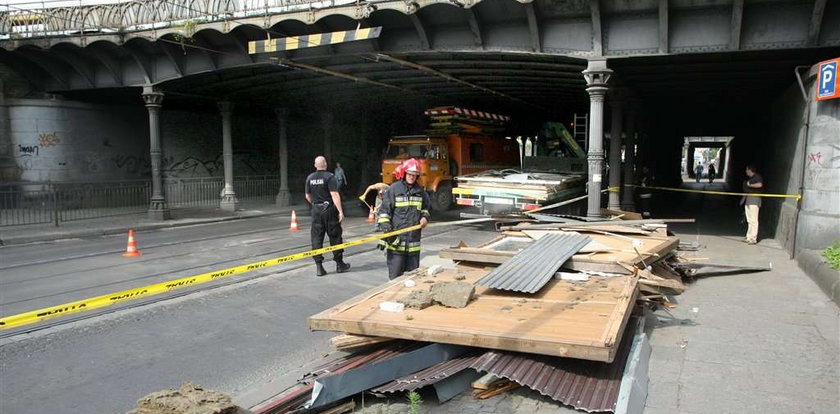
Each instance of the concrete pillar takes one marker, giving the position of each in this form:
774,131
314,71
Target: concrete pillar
627,202
8,165
229,201
327,123
284,198
617,104
157,207
597,75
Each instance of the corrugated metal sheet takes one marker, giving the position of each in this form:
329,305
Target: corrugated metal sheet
429,375
585,385
534,266
296,396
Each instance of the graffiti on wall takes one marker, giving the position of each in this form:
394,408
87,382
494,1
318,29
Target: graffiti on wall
245,163
48,139
193,167
132,164
94,162
28,150
818,162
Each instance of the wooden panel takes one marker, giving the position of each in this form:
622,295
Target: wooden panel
570,319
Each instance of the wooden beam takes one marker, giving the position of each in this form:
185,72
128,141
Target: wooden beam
347,341
735,26
475,28
534,27
663,26
597,38
421,31
816,22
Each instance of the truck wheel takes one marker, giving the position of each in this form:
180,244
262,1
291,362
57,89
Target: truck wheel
442,198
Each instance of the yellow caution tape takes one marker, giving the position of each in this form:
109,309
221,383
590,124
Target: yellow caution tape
685,190
614,189
102,301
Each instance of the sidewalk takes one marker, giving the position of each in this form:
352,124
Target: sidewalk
12,235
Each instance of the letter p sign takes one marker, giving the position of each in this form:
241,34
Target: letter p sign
827,80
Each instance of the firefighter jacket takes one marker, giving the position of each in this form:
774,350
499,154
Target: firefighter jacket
403,206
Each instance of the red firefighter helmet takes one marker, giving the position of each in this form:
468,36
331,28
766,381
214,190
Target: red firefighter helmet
411,166
399,172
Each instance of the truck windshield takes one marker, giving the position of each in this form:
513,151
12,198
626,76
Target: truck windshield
407,151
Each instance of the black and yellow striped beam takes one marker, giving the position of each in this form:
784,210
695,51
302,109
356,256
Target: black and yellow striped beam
319,39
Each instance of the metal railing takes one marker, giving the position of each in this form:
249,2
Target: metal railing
55,18
48,202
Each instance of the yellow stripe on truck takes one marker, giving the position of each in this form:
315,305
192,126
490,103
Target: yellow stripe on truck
462,191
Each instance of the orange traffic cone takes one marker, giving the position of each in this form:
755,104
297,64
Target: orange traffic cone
371,218
131,249
294,226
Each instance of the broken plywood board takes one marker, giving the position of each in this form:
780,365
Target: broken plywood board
605,254
625,215
578,320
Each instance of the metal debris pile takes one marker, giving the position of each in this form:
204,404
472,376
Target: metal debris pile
485,324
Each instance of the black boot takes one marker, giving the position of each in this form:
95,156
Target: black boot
319,269
341,267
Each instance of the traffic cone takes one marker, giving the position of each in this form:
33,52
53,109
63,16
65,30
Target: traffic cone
131,249
294,226
371,218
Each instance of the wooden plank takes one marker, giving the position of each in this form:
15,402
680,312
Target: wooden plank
486,382
502,388
625,215
347,341
579,320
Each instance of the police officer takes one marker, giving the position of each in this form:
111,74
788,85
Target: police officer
327,214
645,180
404,204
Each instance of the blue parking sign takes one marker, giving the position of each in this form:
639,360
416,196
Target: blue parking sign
827,80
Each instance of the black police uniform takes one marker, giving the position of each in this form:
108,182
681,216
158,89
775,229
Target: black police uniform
402,206
324,213
645,194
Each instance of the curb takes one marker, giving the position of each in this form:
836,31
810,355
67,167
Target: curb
815,266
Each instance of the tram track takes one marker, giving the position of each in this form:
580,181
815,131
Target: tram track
51,323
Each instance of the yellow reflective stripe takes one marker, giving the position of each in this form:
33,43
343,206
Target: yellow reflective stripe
401,248
383,220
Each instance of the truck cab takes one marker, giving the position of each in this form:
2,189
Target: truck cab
435,173
442,157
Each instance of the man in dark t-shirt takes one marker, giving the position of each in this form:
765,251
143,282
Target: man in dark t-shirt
327,214
753,185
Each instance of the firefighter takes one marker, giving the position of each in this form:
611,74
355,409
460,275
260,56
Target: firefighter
327,214
404,204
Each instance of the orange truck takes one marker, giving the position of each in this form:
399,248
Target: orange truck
460,141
